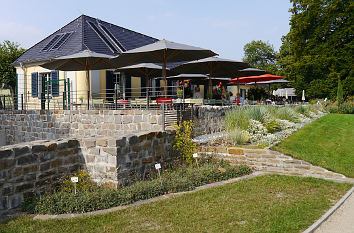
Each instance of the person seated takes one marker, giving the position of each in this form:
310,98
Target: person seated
197,94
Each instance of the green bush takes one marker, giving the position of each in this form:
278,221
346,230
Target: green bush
272,126
183,143
182,178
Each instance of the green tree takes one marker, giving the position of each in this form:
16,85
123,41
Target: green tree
319,47
9,52
261,55
340,94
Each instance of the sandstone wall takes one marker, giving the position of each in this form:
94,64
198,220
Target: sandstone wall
29,168
26,126
270,161
32,167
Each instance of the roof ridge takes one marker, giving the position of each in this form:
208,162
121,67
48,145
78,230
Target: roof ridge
121,27
16,62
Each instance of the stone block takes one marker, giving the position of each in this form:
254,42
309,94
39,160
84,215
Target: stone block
111,150
14,201
5,153
30,169
27,159
23,187
21,150
38,148
235,151
133,140
56,163
73,143
44,166
101,142
88,143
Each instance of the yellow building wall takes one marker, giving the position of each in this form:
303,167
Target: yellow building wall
136,87
103,83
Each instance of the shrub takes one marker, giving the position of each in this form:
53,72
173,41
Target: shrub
286,113
236,119
238,136
84,182
184,145
258,113
182,178
302,110
272,126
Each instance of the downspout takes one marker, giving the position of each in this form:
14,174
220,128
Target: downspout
25,86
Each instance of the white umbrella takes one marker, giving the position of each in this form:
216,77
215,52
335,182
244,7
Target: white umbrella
303,95
274,93
286,94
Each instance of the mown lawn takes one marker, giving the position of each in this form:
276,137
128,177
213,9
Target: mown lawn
327,142
262,204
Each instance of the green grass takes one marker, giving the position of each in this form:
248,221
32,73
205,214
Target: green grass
261,204
327,142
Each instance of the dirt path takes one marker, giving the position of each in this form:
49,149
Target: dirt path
342,220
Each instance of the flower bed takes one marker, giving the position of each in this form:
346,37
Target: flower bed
91,197
266,125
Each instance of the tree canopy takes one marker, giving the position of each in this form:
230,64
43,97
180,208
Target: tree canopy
318,50
9,52
260,55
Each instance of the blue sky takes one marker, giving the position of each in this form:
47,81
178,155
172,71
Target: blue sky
223,26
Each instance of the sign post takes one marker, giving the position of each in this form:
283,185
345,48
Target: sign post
74,180
158,167
195,156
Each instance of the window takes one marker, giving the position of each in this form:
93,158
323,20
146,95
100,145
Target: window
47,79
110,35
103,37
57,41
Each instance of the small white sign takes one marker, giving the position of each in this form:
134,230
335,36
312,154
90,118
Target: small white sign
157,166
75,179
195,155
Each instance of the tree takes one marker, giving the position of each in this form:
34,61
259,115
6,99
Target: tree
260,55
340,94
9,52
319,46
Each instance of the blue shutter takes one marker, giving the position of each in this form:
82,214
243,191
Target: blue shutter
34,83
143,86
55,85
128,86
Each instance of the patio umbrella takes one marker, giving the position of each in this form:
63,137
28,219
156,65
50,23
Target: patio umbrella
256,79
303,95
274,93
286,94
213,66
162,51
84,60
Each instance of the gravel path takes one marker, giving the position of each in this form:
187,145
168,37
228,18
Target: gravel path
209,137
342,220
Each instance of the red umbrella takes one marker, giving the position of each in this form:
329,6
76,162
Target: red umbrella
260,78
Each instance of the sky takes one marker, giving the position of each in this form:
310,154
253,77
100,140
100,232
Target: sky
223,26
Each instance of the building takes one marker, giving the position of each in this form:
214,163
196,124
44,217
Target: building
83,33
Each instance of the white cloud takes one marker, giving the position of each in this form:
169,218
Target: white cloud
23,34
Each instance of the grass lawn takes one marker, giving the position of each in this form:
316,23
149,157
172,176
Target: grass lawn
262,204
327,142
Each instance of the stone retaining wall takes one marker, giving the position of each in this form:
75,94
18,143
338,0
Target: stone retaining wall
33,167
119,160
24,126
29,168
270,161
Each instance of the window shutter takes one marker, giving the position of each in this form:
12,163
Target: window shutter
143,86
55,85
34,83
128,85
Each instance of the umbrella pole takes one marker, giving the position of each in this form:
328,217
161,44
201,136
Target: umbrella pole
88,88
164,72
147,89
210,82
238,90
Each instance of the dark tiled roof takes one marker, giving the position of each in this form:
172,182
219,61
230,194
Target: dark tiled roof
84,37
